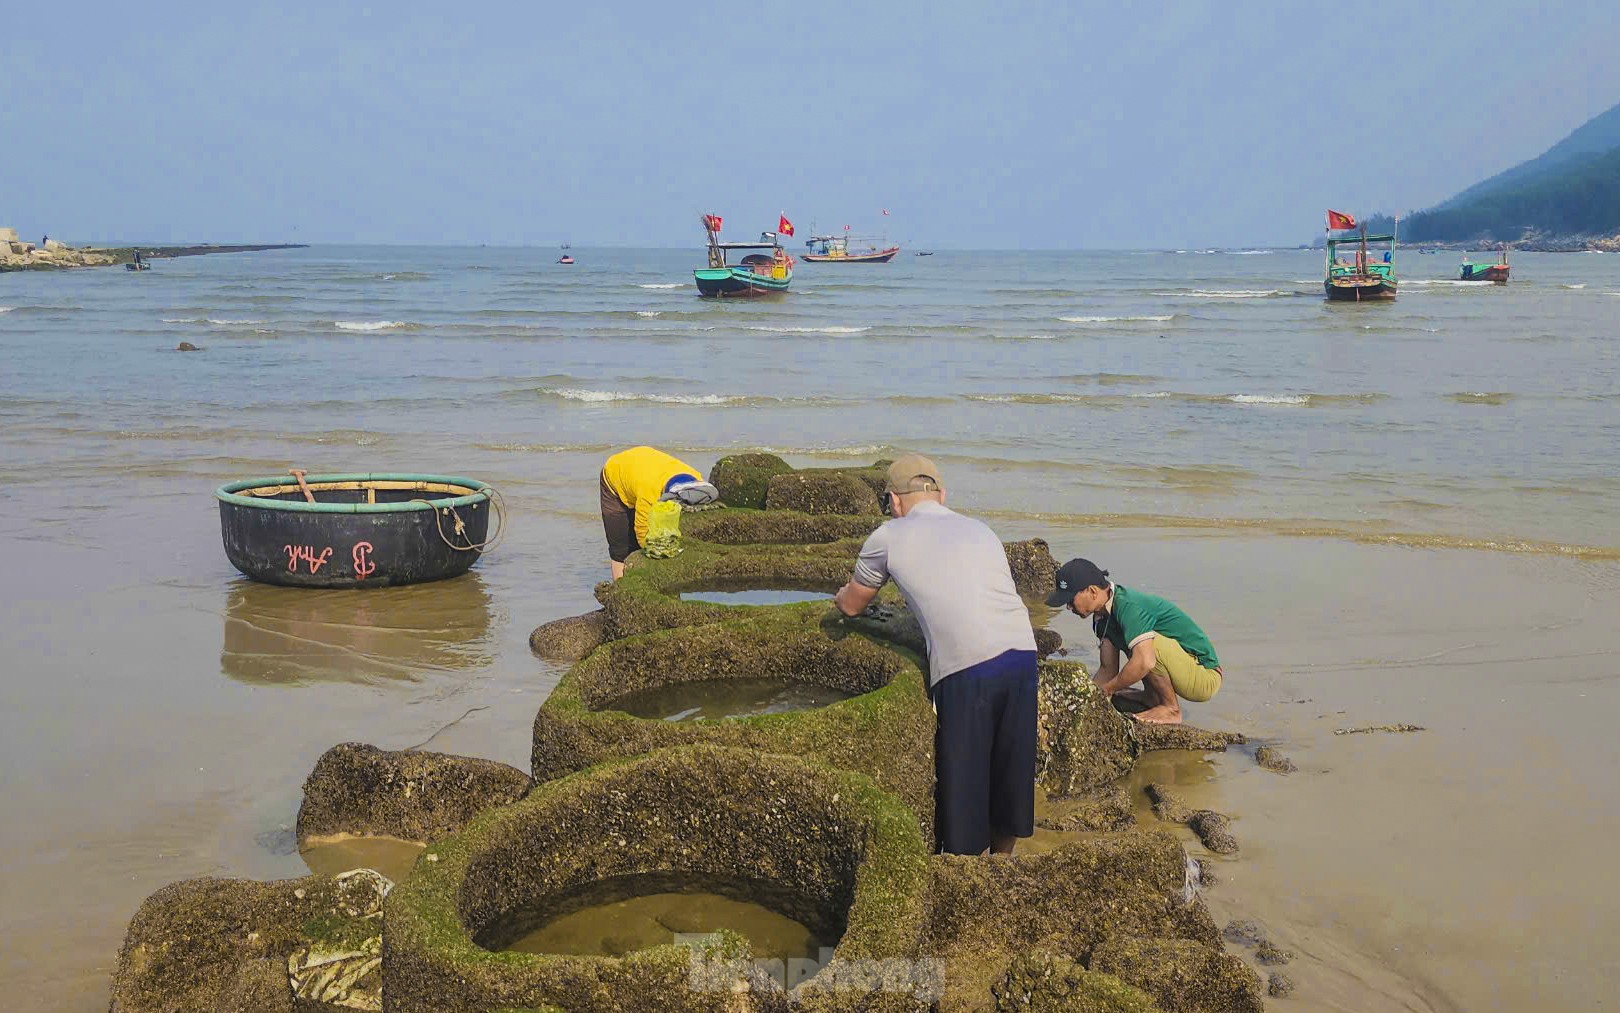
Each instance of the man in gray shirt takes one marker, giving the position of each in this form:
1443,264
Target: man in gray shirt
981,657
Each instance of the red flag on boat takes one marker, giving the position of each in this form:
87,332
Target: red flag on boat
846,228
784,226
711,222
1338,220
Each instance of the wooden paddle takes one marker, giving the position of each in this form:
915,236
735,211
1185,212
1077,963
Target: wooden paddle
298,473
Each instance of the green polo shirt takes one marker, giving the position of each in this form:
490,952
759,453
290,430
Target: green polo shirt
1133,615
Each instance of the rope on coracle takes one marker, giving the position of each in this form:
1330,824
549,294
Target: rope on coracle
497,504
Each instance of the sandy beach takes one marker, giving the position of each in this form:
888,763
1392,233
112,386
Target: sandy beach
161,712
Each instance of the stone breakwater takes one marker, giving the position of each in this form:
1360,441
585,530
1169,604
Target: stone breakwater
824,815
16,255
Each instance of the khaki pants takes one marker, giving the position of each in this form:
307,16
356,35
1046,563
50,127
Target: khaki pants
1191,680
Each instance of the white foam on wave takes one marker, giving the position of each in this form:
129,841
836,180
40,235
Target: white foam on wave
1448,282
1153,394
1234,293
810,330
1269,398
609,396
213,321
673,284
1582,285
7,309
369,325
1156,319
649,313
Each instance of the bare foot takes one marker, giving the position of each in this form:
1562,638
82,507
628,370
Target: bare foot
1161,716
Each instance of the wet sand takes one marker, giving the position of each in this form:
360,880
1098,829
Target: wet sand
161,716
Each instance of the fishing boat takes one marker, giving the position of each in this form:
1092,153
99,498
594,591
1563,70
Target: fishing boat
343,531
756,274
835,250
1497,272
565,259
1366,275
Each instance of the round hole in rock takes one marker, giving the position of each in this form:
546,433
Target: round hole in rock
610,918
719,672
754,596
727,698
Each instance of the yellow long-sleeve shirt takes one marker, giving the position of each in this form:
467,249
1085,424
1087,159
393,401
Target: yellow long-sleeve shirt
638,476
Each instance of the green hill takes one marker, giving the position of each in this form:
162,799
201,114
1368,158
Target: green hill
1573,188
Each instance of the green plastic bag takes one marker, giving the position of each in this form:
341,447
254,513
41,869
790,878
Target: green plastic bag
663,531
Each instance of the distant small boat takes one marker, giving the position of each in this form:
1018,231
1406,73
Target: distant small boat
925,253
835,250
1497,272
757,274
565,259
1362,277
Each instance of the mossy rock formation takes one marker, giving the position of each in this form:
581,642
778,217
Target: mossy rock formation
983,914
224,944
1183,976
1084,743
1054,984
744,478
360,789
824,846
776,527
886,730
571,638
821,492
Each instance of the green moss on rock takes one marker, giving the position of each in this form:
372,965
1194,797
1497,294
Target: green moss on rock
775,527
743,478
415,796
984,913
828,847
1084,743
826,491
206,944
1053,984
570,639
1183,976
886,731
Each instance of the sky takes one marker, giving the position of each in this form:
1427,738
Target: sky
1010,125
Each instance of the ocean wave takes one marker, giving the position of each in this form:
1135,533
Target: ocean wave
1443,282
1229,293
588,396
1038,293
1269,398
1120,400
672,284
373,325
1580,286
649,313
1481,397
776,329
1308,529
7,309
1155,319
213,321
406,276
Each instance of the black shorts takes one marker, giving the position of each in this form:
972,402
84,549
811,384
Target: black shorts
619,523
984,749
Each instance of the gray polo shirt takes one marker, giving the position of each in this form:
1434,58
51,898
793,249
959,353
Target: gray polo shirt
953,572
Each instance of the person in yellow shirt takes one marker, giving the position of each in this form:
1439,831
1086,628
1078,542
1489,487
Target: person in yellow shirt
632,481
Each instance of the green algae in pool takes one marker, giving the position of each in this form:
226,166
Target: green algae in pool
394,858
754,596
612,930
726,698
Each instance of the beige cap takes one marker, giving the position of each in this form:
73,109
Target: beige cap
914,473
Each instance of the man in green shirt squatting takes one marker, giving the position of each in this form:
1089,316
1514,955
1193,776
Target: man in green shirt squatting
1165,650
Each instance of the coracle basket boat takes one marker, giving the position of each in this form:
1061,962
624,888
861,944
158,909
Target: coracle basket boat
371,530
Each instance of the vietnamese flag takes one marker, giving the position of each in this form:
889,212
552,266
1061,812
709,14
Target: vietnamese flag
1338,221
711,222
784,226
